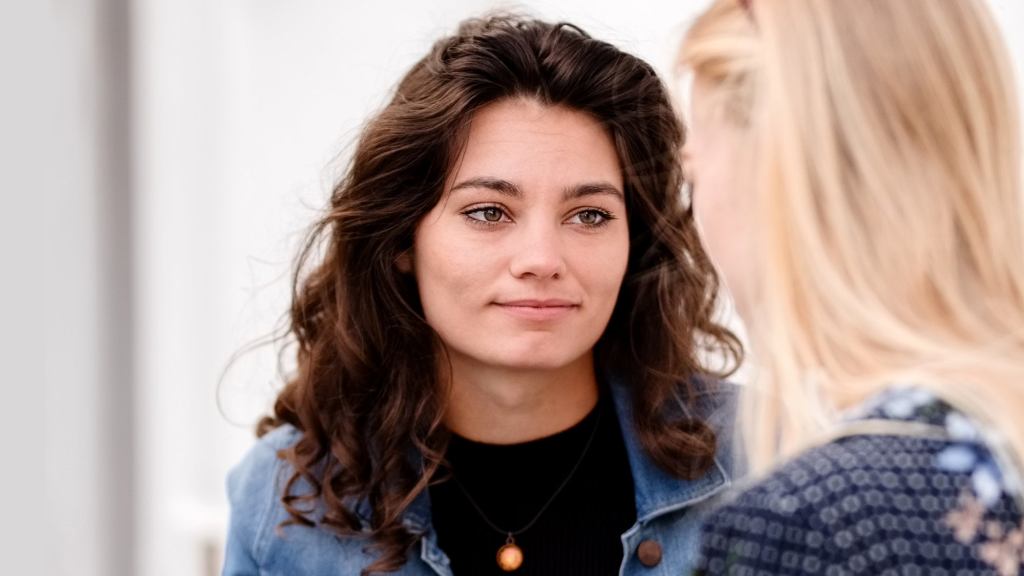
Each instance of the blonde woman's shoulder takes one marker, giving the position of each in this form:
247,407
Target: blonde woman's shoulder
867,504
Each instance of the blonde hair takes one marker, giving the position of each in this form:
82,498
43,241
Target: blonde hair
887,182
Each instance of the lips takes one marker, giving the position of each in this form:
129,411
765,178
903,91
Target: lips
538,310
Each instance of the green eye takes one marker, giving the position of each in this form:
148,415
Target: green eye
486,215
591,218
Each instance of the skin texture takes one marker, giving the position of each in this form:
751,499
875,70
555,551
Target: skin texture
715,164
519,267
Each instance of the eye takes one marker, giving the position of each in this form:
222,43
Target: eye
591,217
486,214
491,214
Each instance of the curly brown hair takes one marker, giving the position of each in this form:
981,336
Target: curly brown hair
365,395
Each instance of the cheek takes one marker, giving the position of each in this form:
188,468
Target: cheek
453,274
713,200
721,207
440,273
431,267
720,201
603,267
621,261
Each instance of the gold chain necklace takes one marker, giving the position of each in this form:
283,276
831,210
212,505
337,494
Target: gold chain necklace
510,555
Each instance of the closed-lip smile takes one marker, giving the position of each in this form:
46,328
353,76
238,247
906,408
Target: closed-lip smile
535,309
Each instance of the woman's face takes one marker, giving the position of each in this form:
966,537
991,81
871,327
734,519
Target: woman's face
718,171
520,264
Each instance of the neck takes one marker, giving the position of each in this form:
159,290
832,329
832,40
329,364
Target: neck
510,406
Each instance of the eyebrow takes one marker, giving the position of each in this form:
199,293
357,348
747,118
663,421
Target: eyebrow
506,188
592,189
503,187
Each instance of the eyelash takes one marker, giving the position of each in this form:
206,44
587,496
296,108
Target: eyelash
605,216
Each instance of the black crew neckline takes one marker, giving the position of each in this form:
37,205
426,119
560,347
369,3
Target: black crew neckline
568,436
577,534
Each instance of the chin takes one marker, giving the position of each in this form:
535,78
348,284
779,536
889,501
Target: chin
537,359
526,354
536,364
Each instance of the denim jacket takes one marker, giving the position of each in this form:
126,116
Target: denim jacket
669,511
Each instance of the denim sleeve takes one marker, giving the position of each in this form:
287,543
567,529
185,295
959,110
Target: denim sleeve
252,494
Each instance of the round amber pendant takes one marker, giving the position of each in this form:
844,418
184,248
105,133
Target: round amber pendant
510,556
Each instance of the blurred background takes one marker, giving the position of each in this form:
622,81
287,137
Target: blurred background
182,148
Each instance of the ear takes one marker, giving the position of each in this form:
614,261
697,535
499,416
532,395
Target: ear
404,262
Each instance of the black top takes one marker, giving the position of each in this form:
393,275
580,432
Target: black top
579,533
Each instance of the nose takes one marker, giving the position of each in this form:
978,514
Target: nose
538,253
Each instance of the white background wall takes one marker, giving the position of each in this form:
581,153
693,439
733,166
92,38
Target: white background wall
237,115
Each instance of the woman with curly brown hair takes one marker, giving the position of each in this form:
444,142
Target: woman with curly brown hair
503,323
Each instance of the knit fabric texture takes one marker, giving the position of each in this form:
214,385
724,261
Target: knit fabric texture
879,504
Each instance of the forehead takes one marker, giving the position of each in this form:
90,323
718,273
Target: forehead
524,140
528,115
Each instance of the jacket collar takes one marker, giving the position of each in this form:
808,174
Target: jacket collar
657,491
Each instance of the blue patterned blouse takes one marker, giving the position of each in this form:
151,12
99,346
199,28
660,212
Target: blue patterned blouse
933,501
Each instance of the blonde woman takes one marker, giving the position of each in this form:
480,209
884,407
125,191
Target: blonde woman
856,173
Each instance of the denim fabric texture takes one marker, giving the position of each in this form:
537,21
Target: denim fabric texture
669,510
